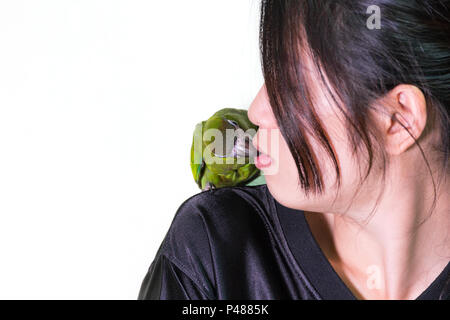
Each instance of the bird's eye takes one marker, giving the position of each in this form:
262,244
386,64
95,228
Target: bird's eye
233,123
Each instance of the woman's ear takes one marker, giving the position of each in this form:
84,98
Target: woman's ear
407,112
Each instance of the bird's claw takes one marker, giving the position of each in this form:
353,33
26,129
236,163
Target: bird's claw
209,186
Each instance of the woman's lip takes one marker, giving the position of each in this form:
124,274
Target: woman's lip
262,161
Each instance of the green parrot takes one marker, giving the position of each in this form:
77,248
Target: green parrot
221,151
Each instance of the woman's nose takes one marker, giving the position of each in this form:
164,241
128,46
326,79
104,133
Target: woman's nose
260,112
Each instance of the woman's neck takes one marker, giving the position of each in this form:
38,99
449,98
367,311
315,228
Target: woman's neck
392,255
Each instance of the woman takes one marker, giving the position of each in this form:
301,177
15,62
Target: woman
357,198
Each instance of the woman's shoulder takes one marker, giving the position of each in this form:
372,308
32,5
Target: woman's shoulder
227,202
219,212
221,222
224,209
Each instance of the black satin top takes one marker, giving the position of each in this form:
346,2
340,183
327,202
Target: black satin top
240,243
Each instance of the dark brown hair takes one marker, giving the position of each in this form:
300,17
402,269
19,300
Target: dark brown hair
361,64
411,47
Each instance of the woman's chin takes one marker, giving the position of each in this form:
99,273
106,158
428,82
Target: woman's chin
281,194
293,196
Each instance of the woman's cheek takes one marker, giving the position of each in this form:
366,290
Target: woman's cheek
284,184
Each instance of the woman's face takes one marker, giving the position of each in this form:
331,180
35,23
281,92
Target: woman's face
282,175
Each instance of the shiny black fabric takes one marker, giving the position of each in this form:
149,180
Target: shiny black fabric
240,243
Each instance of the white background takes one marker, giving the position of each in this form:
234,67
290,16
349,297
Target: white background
98,102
